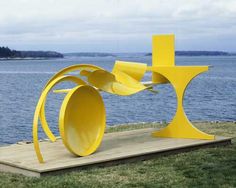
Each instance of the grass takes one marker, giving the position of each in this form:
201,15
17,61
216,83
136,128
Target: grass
211,167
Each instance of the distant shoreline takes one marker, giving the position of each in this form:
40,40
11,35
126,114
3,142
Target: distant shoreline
200,53
177,53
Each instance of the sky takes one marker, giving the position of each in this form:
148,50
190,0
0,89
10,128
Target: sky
116,25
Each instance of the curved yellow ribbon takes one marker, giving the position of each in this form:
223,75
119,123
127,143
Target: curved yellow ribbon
66,70
40,106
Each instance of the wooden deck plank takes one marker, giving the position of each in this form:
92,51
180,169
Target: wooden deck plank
135,144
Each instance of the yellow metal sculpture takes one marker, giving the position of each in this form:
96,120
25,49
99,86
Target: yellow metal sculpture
82,118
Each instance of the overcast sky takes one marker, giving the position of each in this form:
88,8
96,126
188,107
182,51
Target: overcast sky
116,25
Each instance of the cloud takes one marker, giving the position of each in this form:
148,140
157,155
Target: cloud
72,25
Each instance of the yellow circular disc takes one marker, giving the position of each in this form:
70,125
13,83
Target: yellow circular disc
82,120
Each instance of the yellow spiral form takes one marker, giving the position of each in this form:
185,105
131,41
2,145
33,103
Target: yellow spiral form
40,108
41,104
82,116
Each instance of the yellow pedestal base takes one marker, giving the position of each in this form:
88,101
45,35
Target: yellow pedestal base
180,77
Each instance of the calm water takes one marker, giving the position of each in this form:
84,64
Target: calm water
210,97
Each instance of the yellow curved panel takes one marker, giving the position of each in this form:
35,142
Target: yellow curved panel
133,69
82,120
106,81
102,80
123,90
128,81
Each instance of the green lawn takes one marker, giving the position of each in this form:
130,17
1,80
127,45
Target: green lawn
211,167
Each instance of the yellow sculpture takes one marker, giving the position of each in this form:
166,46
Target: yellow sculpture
82,118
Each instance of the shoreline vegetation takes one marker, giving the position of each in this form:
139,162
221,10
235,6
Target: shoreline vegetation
208,167
8,54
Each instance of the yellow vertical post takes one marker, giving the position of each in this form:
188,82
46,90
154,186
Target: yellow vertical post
163,54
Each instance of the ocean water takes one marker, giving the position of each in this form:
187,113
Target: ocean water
210,97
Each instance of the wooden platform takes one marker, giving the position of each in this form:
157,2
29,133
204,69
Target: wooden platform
116,147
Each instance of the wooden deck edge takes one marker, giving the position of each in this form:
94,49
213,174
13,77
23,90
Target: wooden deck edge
16,170
139,157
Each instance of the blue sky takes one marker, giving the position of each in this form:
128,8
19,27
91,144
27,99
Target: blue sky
116,25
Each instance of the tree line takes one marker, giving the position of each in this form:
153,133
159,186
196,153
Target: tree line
6,52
